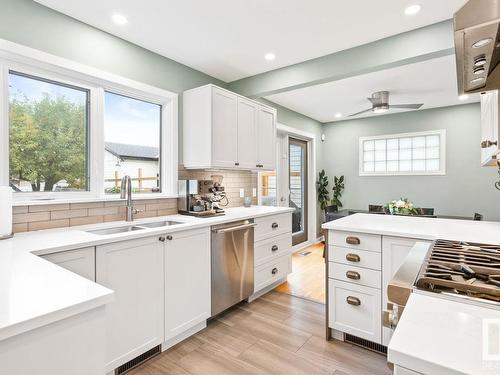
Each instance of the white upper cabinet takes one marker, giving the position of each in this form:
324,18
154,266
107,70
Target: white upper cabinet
222,129
266,136
489,128
247,126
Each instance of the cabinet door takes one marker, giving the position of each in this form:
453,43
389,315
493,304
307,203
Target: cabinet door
187,281
224,129
133,269
394,252
266,138
247,122
489,125
355,309
80,261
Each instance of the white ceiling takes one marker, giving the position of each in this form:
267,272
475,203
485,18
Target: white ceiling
228,38
433,82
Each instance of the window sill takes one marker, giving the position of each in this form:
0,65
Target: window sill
42,202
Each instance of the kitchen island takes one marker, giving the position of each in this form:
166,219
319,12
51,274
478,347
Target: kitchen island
51,303
364,252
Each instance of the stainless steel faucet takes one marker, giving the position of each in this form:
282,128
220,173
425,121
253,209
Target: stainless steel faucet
126,189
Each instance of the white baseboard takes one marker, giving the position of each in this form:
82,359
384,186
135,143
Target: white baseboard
184,335
268,288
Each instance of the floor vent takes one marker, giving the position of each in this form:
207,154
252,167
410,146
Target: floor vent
305,253
138,360
379,348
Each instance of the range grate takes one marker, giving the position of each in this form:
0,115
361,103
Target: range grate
138,360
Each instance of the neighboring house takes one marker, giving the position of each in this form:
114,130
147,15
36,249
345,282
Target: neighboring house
139,162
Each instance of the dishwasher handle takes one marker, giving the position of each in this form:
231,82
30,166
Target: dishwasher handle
233,229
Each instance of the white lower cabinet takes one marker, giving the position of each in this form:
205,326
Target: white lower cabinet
133,269
79,261
355,309
187,280
270,272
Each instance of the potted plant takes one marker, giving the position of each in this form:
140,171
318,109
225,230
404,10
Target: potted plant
403,206
322,188
338,187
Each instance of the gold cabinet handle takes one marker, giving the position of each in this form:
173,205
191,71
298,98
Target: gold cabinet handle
351,240
353,257
353,275
355,301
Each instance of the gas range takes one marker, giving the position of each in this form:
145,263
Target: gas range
462,270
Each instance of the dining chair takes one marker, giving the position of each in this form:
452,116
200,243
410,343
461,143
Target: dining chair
478,217
425,211
375,208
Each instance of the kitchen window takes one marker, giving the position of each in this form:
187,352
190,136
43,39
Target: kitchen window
421,153
47,136
131,144
75,131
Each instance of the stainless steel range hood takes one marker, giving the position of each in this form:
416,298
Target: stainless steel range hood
477,44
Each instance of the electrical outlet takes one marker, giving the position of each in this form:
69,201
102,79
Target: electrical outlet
242,193
254,192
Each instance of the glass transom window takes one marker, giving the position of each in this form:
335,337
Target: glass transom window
420,153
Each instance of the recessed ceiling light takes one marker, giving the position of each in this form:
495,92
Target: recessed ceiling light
412,9
119,19
477,80
269,56
482,42
463,97
338,115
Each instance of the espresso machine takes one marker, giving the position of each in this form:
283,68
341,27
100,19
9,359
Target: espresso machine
201,198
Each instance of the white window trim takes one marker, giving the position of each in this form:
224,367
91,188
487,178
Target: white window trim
37,63
442,153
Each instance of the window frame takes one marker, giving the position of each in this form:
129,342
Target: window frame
442,154
25,60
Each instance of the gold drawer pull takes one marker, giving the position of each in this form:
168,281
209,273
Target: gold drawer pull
353,275
351,240
353,257
355,301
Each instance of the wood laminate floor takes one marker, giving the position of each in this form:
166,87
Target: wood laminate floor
276,334
307,279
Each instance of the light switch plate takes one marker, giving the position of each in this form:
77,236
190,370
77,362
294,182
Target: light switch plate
242,193
254,192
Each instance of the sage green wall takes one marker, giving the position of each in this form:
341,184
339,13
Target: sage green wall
466,188
31,24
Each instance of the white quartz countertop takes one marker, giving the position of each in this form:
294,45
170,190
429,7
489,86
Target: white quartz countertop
35,292
436,336
419,227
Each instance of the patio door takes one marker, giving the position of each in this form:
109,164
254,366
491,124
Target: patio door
297,181
287,186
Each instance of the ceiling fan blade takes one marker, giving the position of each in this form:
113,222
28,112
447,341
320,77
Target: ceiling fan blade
358,113
407,106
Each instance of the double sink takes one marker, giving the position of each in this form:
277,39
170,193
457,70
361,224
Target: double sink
132,228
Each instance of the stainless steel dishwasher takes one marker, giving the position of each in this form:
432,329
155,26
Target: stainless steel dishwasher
232,264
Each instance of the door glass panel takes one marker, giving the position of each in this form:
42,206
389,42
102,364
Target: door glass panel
298,188
268,188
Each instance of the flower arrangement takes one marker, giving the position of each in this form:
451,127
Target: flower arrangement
403,206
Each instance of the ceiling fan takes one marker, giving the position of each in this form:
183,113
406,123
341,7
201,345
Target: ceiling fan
380,104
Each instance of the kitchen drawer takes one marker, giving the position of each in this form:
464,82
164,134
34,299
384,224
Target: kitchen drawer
353,240
365,276
357,257
269,272
355,309
267,250
271,226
